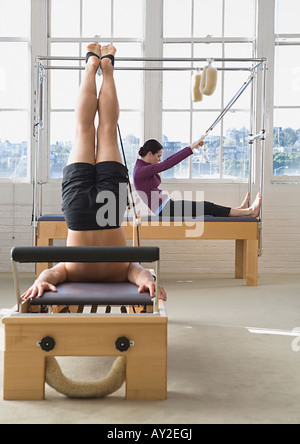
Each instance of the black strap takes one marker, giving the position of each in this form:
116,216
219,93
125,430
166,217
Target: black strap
91,54
110,57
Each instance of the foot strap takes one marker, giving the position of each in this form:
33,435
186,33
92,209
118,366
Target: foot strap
110,57
91,54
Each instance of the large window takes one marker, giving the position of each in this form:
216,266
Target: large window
118,21
14,87
286,155
201,29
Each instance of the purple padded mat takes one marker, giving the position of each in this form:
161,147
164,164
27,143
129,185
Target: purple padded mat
77,293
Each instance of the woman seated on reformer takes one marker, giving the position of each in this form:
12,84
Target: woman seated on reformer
94,185
147,181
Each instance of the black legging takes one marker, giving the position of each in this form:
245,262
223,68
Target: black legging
184,208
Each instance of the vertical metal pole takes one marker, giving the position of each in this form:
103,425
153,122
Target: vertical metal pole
38,125
251,142
156,300
262,151
17,287
36,148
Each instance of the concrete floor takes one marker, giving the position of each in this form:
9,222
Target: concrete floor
218,372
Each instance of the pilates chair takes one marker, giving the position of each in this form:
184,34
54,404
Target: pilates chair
35,332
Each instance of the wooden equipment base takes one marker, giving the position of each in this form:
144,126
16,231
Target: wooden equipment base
85,335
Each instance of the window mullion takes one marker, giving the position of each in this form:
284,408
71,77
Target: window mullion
39,46
153,80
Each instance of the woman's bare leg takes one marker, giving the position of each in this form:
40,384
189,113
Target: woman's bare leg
246,202
108,107
84,146
252,211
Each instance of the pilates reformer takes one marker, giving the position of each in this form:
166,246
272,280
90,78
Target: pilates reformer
246,232
36,331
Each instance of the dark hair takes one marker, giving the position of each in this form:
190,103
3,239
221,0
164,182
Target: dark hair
152,146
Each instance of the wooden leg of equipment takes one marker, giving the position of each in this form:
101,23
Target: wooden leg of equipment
146,371
24,376
246,261
240,259
252,262
24,367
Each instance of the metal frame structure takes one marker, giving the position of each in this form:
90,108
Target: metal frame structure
257,67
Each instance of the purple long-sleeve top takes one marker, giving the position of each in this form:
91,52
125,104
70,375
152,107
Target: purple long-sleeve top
147,179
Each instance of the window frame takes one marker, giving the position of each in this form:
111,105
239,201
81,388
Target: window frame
212,40
281,40
27,110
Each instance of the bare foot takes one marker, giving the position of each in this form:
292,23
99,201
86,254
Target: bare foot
96,49
245,204
255,207
107,50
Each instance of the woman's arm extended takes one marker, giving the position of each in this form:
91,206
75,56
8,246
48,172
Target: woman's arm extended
170,162
47,281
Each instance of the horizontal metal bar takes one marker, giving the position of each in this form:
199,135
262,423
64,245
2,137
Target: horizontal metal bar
124,110
14,40
126,68
202,110
208,39
153,59
167,40
287,107
288,36
16,110
96,39
294,43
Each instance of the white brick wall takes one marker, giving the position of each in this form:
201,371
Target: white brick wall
281,239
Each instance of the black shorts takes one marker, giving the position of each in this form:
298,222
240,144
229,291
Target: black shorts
94,196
